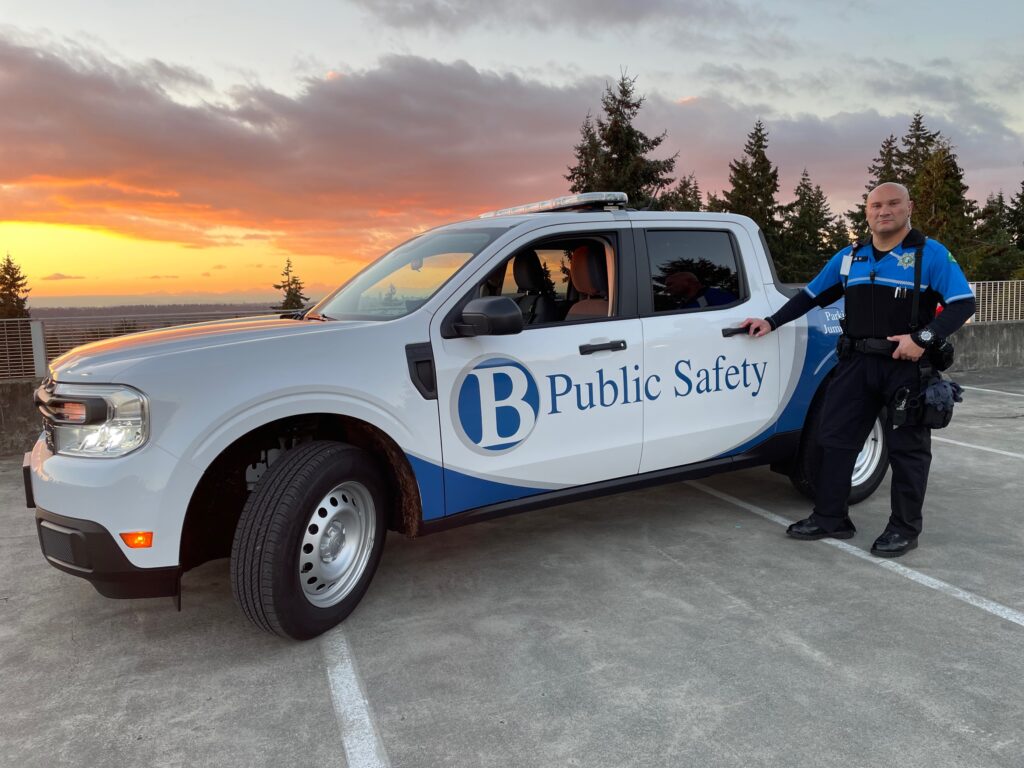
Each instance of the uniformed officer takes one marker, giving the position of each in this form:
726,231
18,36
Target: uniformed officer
882,355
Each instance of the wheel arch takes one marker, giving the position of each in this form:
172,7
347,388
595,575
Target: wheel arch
218,497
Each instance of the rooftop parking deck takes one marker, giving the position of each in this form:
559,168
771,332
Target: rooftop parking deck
675,626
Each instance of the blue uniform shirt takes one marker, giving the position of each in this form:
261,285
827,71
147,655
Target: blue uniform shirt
879,293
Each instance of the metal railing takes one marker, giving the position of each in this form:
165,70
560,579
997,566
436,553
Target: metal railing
17,359
27,346
63,334
999,300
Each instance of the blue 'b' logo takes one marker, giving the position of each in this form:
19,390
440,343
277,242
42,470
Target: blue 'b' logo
497,405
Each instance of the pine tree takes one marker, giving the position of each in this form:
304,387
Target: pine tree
292,287
941,207
14,290
992,254
584,175
754,183
612,156
885,167
1015,218
918,145
685,197
808,234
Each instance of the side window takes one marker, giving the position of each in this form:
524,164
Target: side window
558,280
693,269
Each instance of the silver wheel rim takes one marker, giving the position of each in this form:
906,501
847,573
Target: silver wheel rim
336,544
869,457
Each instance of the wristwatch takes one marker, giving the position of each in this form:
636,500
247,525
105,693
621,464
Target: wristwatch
923,338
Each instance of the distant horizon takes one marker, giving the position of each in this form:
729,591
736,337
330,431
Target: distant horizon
130,300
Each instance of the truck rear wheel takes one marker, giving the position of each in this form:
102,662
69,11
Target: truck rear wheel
309,539
868,472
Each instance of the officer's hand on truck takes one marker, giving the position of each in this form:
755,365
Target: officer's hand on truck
756,327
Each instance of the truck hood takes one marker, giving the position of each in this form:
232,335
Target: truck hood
102,360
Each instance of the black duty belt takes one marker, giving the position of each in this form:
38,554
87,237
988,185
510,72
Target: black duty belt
873,346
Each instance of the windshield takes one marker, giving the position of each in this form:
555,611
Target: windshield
402,280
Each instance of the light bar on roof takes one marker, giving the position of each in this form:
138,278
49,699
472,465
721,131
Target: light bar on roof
585,201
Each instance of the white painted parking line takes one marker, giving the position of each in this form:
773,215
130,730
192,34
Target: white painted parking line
994,391
979,447
990,606
363,747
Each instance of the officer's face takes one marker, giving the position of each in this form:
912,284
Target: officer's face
888,209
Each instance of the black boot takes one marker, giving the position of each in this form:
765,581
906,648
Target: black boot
893,544
808,530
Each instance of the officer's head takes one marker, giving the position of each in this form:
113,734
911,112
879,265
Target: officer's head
888,208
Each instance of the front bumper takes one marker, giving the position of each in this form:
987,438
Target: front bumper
88,550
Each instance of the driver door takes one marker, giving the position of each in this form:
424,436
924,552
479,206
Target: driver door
559,404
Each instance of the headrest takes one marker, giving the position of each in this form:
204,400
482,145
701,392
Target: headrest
528,272
589,271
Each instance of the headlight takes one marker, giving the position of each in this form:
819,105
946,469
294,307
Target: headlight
93,420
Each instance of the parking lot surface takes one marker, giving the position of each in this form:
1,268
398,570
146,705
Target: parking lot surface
675,626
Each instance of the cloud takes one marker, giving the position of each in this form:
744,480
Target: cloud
218,266
686,25
163,277
541,14
62,276
350,165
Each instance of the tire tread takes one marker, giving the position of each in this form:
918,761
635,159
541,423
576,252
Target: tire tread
261,530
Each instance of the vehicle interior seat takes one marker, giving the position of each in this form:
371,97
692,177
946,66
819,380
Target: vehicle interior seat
536,301
589,273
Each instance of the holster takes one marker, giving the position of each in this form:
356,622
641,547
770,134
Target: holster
844,346
912,408
941,355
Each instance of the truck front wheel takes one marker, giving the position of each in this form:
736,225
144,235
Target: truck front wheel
868,472
309,539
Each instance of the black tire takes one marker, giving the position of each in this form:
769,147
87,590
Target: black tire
804,474
266,550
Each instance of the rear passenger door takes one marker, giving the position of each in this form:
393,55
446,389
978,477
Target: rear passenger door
712,396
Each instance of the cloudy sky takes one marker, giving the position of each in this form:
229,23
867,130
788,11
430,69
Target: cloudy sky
182,151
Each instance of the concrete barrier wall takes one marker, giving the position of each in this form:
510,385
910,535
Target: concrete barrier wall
20,422
989,345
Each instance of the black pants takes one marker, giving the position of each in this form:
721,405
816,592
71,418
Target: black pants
861,386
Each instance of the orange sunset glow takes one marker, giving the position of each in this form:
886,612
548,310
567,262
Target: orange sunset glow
126,178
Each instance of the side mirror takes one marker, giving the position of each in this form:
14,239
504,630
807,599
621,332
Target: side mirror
490,316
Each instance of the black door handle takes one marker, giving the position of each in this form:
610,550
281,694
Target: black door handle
608,346
727,332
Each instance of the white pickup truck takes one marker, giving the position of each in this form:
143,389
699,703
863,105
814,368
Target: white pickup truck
529,357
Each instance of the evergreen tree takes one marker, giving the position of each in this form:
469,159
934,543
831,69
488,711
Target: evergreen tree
941,208
612,156
585,174
292,287
918,145
992,254
754,183
14,290
684,197
839,236
1015,218
809,232
885,167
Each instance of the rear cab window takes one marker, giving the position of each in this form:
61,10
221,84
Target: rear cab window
693,270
